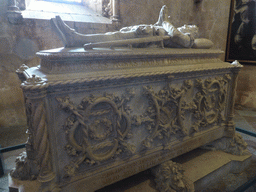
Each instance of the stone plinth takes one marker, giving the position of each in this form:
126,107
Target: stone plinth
96,117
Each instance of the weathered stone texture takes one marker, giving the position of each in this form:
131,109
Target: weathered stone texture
246,87
210,16
20,42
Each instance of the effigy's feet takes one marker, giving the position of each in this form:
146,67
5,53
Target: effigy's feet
163,16
66,33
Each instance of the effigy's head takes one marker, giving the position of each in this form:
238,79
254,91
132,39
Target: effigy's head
191,29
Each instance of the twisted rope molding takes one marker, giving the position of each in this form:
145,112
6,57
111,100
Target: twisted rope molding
27,86
41,144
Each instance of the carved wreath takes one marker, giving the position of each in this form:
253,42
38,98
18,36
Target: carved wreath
96,129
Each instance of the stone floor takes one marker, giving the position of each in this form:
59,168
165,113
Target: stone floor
244,118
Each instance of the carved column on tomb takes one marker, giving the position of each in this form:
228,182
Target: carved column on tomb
14,15
233,143
38,153
230,117
38,145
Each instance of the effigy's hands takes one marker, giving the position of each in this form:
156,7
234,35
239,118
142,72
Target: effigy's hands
144,30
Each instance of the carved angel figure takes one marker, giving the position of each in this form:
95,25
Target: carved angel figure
138,35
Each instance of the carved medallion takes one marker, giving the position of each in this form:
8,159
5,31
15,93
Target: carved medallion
97,128
209,102
165,114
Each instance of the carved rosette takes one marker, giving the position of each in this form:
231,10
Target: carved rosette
166,113
209,102
96,129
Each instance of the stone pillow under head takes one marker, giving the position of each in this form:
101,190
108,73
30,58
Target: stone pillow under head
202,43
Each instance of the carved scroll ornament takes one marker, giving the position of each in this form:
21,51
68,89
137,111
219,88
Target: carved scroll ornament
165,115
169,109
209,102
96,129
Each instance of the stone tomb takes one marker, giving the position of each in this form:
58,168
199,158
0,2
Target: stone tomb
98,116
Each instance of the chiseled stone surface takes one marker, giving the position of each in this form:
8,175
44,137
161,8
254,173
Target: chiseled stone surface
246,88
93,123
210,15
208,170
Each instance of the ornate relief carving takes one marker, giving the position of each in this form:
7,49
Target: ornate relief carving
38,157
169,177
234,145
24,169
34,83
97,128
107,8
165,115
42,144
168,109
209,102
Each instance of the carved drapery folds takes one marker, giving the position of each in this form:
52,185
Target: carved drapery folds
97,129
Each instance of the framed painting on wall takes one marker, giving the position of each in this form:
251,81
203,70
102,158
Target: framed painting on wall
241,43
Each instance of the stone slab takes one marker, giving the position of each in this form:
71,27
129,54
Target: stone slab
207,169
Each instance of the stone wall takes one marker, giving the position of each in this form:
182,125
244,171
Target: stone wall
246,87
18,45
211,16
20,42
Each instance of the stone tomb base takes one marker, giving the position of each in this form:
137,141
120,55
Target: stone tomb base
208,170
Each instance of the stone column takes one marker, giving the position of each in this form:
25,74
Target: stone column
38,145
230,131
115,5
37,163
13,13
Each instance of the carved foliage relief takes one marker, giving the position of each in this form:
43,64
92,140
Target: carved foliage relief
170,109
209,102
99,128
166,113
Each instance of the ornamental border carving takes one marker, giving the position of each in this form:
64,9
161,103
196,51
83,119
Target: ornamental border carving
168,107
126,76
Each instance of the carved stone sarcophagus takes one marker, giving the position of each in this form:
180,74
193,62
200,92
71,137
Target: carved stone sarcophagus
98,116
